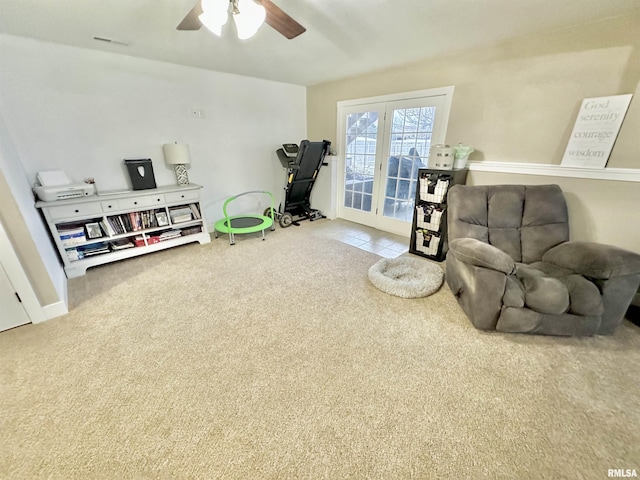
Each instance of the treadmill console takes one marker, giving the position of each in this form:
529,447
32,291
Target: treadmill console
291,149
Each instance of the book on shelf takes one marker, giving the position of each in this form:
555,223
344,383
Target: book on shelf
169,234
70,227
71,235
180,214
134,218
195,210
92,249
107,228
113,225
117,224
149,218
121,244
125,221
81,251
72,254
191,230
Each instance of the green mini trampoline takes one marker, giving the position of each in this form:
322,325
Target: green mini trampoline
246,223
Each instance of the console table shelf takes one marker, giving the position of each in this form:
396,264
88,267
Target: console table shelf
99,229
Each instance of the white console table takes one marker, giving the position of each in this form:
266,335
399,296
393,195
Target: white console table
99,229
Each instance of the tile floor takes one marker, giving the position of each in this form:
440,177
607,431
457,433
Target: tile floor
381,243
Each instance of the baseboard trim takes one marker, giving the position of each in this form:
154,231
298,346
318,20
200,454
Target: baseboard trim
54,310
616,174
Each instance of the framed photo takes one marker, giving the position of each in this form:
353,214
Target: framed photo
162,219
93,230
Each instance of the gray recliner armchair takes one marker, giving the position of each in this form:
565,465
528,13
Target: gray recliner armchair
512,267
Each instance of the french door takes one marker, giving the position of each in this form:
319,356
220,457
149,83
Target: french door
382,146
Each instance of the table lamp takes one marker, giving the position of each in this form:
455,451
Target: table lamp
177,154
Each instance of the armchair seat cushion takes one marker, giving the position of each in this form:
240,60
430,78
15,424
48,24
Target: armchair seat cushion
548,289
546,294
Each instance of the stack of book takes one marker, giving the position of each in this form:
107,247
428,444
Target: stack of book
72,254
169,234
191,230
85,251
121,244
71,234
180,214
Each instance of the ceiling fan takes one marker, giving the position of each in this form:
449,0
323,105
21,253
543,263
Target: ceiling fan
219,9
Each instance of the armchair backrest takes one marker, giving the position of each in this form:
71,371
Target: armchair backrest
523,221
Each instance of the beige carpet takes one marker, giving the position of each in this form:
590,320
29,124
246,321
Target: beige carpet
278,359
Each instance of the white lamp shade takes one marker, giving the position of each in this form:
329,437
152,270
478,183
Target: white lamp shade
250,18
176,153
214,15
212,26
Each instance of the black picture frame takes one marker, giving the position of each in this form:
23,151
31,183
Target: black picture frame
93,230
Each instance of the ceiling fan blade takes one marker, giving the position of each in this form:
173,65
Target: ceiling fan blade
280,21
191,20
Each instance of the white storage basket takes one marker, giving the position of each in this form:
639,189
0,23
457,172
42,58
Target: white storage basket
437,191
427,242
428,217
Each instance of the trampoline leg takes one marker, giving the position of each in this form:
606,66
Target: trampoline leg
263,239
232,240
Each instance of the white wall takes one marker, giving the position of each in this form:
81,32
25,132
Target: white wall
85,111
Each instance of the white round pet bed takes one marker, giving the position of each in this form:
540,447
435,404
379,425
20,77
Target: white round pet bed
406,277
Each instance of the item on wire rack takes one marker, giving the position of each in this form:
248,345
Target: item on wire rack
427,242
428,217
433,187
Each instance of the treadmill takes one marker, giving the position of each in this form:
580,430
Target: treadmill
302,164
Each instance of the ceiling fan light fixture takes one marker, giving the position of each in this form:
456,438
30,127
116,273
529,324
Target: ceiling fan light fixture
248,17
215,14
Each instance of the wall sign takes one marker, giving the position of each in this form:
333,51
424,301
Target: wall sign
595,131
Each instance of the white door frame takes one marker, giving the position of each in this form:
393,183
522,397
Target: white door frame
443,117
18,278
352,214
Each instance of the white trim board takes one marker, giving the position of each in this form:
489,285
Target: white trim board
54,310
430,92
616,174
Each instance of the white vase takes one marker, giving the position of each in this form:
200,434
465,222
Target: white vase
460,163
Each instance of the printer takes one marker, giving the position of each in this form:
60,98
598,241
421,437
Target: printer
55,185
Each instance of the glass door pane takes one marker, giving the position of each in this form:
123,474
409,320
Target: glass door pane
360,159
409,143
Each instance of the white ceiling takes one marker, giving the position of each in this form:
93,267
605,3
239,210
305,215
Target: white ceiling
343,37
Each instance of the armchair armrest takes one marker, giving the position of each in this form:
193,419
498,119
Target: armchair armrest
594,260
481,254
